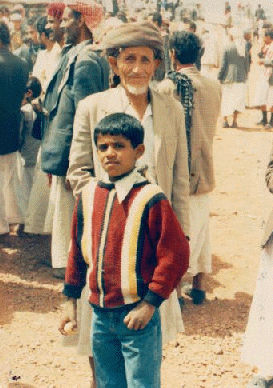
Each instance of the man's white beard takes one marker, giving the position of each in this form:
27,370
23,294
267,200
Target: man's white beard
137,90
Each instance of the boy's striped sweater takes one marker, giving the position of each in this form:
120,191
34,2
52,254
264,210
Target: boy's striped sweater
136,249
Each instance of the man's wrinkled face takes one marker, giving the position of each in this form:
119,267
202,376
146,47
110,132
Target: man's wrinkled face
53,29
135,66
71,27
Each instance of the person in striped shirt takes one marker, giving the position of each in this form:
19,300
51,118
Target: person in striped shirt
125,230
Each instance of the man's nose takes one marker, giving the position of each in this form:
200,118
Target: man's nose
137,67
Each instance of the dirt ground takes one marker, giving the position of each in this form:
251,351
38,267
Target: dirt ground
208,353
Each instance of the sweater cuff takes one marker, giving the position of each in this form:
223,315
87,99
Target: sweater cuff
72,291
153,299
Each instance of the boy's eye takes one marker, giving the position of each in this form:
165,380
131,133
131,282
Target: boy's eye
118,145
102,147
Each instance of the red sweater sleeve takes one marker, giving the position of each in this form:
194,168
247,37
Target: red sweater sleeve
75,275
172,251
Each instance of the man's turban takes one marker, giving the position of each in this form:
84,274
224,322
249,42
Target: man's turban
134,35
56,10
91,12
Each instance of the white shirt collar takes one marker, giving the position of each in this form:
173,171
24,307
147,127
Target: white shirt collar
128,108
123,186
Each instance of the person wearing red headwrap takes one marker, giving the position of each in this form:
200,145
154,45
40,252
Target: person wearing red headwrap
91,12
54,19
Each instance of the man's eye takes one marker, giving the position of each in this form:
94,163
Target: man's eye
130,58
145,60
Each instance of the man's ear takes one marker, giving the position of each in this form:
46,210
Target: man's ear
157,63
113,64
140,150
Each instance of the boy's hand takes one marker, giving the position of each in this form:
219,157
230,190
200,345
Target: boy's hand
140,316
68,322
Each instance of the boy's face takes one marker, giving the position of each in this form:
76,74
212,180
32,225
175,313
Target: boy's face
117,155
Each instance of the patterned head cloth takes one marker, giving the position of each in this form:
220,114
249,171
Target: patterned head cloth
56,10
91,12
134,35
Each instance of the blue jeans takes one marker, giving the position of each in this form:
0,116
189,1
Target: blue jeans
126,358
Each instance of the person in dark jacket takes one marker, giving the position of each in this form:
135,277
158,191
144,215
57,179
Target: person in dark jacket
13,79
80,73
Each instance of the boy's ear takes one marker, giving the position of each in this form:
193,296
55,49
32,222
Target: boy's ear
113,64
140,150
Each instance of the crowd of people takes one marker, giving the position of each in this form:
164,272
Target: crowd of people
107,117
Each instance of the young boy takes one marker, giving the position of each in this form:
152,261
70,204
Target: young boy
125,229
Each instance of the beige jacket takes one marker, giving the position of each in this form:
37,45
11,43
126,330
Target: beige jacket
170,146
207,100
269,181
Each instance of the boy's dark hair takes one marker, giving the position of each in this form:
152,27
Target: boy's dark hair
186,46
34,85
120,124
4,34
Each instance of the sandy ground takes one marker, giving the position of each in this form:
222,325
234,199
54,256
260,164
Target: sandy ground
208,353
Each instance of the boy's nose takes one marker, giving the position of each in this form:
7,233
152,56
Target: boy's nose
110,152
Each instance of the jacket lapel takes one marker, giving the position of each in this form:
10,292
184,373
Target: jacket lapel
161,120
112,104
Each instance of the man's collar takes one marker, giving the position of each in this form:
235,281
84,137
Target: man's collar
124,185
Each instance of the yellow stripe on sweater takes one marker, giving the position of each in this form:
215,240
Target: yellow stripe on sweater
130,243
87,208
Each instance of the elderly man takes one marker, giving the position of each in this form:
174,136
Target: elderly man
197,94
80,73
134,51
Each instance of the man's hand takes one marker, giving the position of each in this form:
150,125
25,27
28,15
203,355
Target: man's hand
68,322
140,316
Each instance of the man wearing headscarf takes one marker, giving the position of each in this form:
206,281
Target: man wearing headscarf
79,74
135,51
